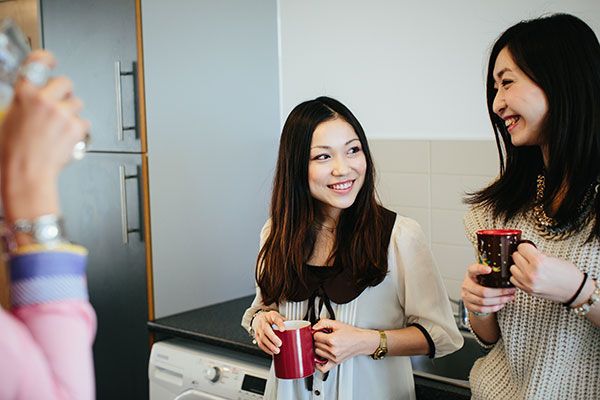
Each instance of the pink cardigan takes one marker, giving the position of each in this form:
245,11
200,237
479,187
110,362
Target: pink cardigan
46,341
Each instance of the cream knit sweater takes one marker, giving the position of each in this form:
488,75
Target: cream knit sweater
545,351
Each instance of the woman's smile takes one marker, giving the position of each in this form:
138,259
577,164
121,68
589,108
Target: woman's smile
342,187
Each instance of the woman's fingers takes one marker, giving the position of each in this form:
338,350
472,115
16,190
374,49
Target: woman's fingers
480,298
325,367
319,352
487,301
272,337
72,104
58,88
268,347
273,317
266,338
478,269
263,337
41,56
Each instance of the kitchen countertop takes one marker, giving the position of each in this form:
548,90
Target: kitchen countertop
219,325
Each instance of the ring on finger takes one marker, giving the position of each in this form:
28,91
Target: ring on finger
35,72
81,147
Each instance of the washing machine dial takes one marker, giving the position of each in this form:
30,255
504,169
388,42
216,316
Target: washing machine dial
213,374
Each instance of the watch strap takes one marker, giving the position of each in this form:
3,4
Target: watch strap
382,349
47,229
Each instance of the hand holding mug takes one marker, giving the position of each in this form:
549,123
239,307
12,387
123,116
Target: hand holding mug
338,342
481,299
296,358
265,337
542,276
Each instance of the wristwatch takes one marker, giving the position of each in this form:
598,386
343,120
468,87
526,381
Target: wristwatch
46,229
382,349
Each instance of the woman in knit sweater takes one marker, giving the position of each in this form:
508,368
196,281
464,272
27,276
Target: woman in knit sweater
543,97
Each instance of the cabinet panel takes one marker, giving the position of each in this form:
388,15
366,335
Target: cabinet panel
93,40
101,202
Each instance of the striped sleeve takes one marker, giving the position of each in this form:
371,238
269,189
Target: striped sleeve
42,275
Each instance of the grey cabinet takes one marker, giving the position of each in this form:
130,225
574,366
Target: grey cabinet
101,201
95,43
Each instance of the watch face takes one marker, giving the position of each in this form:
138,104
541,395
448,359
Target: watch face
47,233
379,354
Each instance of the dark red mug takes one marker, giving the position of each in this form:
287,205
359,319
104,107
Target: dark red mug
296,358
495,248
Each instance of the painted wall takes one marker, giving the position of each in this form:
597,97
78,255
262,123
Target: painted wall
212,112
408,69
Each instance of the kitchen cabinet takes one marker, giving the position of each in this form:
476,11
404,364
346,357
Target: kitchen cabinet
95,43
212,143
102,203
104,196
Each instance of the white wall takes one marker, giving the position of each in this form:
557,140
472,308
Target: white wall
408,69
426,181
211,78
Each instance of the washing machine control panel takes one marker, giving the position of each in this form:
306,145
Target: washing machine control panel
212,374
230,379
177,367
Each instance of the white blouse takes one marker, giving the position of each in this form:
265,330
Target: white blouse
412,292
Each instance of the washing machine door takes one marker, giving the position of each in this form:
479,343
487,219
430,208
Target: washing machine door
193,394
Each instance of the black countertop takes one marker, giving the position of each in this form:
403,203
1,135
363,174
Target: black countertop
219,325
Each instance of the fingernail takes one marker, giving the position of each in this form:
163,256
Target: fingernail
276,351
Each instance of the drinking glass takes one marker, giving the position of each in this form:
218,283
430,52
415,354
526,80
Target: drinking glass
14,49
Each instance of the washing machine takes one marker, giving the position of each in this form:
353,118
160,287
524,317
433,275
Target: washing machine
182,369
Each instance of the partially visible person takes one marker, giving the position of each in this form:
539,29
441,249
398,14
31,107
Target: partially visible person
332,255
46,337
543,97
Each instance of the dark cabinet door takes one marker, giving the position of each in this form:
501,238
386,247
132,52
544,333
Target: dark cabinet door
100,198
95,44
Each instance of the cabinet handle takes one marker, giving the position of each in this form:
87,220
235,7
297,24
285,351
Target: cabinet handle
119,99
125,231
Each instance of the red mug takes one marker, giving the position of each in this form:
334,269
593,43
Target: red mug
296,358
495,248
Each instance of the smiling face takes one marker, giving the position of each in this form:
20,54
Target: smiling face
519,101
337,166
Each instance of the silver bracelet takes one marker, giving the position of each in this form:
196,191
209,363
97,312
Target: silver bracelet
583,309
480,314
250,330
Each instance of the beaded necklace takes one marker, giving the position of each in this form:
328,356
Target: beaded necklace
547,226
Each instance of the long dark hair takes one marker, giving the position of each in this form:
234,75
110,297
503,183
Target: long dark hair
561,54
359,240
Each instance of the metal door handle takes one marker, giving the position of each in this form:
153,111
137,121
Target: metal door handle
119,99
125,231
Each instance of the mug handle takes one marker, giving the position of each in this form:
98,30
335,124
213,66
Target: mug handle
526,241
318,359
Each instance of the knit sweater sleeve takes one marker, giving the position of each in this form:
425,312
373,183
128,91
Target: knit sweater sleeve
477,218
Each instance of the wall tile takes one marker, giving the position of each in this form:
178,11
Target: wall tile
447,191
464,157
447,227
421,215
400,155
453,289
407,190
452,261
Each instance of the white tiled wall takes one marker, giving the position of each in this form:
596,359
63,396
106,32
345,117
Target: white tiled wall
426,181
